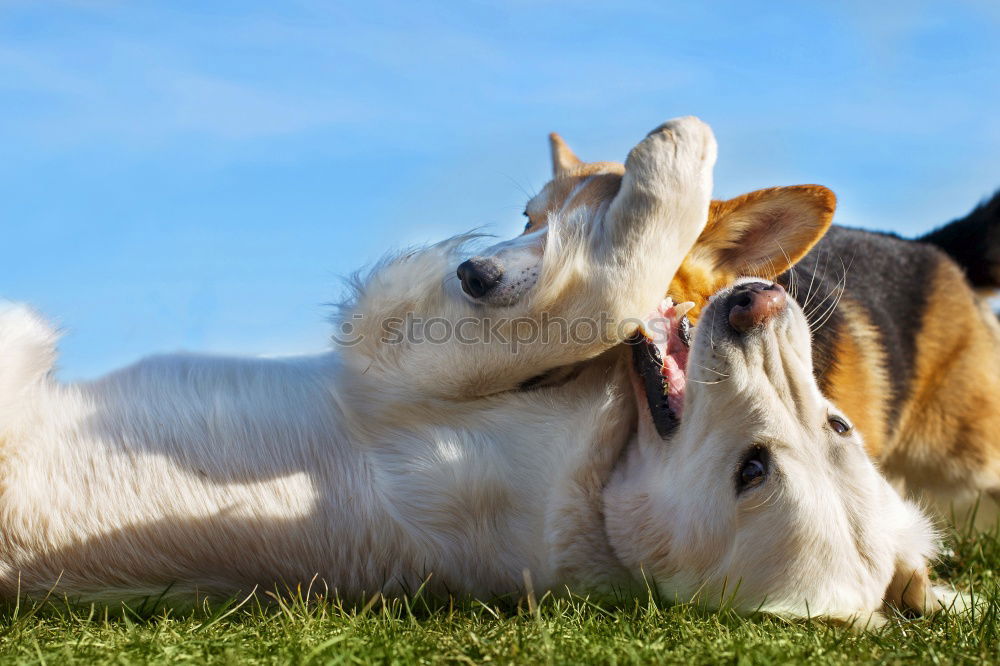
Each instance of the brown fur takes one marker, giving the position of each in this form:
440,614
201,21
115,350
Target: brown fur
762,233
857,381
945,443
910,591
949,426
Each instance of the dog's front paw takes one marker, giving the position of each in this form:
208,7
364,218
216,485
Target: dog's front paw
680,152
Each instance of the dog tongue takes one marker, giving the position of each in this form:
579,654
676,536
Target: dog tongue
668,329
673,370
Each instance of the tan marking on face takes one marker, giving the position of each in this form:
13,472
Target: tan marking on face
760,233
696,281
857,380
586,185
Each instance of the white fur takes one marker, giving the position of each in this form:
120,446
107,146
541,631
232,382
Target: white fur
27,353
379,465
825,534
372,466
521,258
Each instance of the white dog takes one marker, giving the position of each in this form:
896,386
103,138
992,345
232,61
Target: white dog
773,501
412,453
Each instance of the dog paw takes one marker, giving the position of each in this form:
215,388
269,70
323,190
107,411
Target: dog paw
681,151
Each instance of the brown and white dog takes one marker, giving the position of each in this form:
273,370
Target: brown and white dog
409,453
902,343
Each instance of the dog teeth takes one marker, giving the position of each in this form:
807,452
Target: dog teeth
682,309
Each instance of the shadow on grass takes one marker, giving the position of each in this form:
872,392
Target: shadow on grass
303,625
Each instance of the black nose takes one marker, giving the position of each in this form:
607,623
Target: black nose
753,303
480,275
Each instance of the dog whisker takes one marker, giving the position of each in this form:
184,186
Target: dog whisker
809,291
718,372
829,313
842,285
709,383
792,284
529,194
765,502
837,293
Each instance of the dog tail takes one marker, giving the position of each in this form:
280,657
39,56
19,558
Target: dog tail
974,243
27,356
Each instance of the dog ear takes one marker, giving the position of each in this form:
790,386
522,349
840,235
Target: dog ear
910,591
763,233
563,158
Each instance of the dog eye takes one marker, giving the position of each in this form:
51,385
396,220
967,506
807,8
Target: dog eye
753,469
839,425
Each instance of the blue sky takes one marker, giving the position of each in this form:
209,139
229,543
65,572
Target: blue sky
194,175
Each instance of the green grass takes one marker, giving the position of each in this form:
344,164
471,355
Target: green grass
565,630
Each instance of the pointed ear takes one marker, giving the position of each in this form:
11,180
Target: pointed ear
765,232
563,158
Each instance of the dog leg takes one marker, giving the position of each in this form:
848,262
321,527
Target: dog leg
623,260
603,268
658,215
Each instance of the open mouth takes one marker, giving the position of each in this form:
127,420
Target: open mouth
660,354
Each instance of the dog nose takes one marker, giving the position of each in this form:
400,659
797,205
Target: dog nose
753,303
480,275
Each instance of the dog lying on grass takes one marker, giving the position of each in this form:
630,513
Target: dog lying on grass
902,342
397,461
776,463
